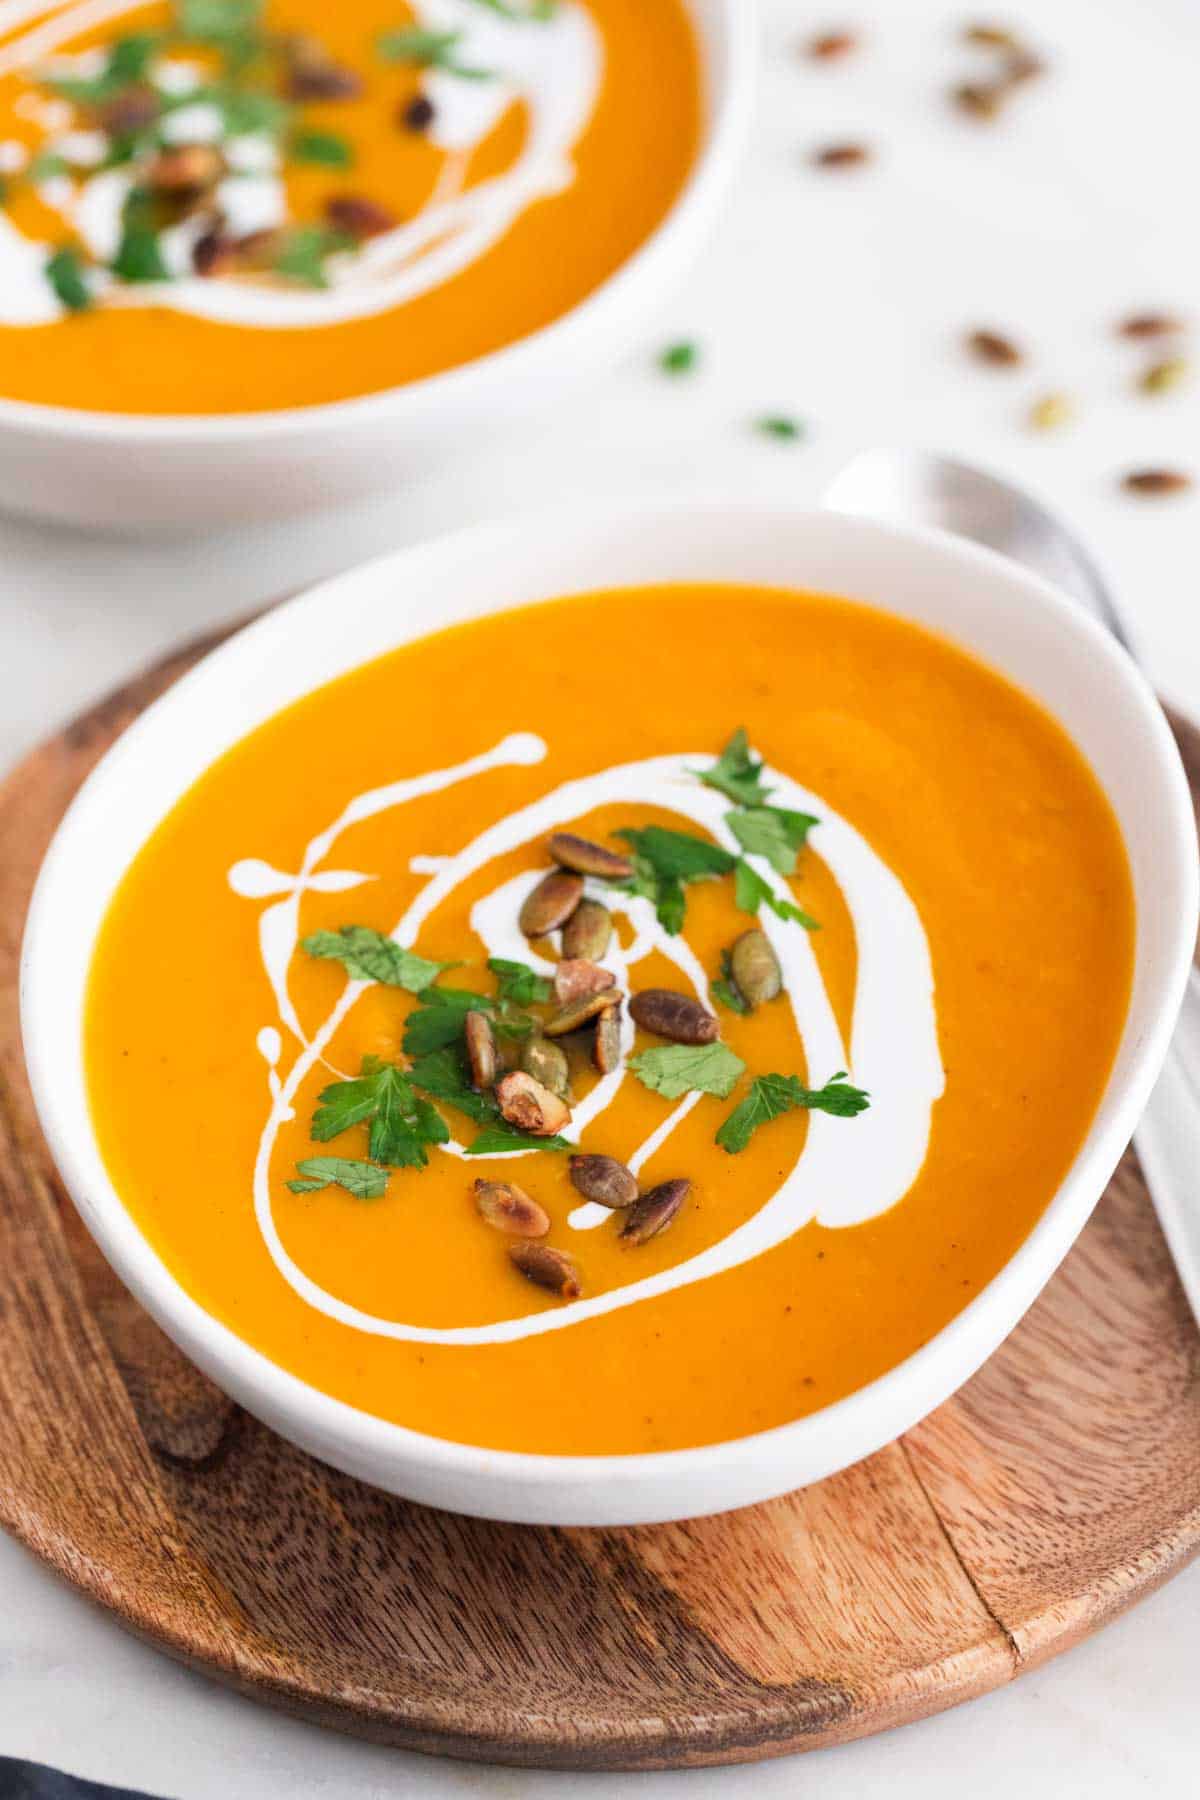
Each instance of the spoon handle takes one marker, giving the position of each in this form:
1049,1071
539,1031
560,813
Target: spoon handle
1168,1145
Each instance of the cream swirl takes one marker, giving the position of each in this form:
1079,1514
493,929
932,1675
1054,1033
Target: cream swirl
843,1176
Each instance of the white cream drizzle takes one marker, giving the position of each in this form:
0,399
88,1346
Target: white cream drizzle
555,66
848,1171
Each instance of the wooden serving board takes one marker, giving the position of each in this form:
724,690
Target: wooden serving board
1059,1486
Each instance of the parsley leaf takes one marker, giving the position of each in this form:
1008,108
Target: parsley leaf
323,147
443,1074
751,891
663,861
773,832
368,955
138,255
679,359
726,991
736,774
218,21
428,50
521,984
401,1123
126,62
64,272
302,253
781,425
673,1070
441,1018
501,1140
366,1181
772,1095
678,854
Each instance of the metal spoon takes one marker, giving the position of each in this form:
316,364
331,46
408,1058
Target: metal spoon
917,487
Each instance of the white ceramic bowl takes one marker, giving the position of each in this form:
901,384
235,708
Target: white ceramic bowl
1009,618
133,472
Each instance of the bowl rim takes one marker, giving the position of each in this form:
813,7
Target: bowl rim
728,107
920,1381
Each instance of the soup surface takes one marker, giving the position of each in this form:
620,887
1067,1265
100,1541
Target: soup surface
236,205
893,923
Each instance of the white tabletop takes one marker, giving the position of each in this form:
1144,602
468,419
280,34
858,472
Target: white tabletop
841,298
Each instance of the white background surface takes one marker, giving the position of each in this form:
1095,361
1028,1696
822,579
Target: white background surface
841,298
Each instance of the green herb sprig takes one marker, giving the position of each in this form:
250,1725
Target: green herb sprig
771,1096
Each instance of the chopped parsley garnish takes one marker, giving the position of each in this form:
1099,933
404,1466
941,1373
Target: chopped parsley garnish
679,359
443,1074
218,22
365,1180
750,892
323,147
664,861
126,62
502,1140
781,426
726,992
673,1070
772,832
521,984
402,1124
441,1018
429,50
64,272
737,773
139,257
771,1096
303,251
368,955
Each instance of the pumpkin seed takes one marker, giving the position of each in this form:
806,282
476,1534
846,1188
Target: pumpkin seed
551,903
604,1180
1149,325
1157,481
982,99
547,1268
1161,377
586,858
588,932
576,977
1050,412
755,969
992,347
654,1211
606,1047
830,44
842,156
581,1012
547,1064
991,37
675,1016
530,1106
509,1209
481,1049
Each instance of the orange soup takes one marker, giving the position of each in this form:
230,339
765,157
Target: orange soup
222,206
562,1063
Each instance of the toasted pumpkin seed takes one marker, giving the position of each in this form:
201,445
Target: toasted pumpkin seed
1051,412
675,1016
586,858
604,1180
547,1064
581,1012
576,976
982,99
606,1047
842,156
755,968
529,1105
481,1049
588,932
551,903
547,1268
1161,377
830,44
992,347
1150,325
991,37
1157,481
509,1208
654,1211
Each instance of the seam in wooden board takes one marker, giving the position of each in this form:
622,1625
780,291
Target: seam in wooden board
1013,1647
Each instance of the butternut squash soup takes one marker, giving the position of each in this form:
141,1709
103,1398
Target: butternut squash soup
618,1025
222,206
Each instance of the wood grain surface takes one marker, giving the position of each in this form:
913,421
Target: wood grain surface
1059,1486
